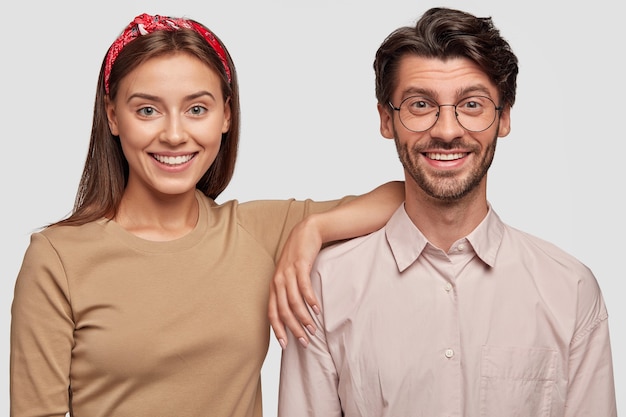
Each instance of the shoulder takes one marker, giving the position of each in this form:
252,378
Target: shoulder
556,274
67,235
280,213
288,207
64,244
530,247
246,213
52,249
260,213
347,252
265,207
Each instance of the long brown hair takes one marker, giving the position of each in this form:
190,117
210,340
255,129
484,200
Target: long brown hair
106,169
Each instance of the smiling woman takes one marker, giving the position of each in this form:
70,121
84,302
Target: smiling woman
150,298
169,114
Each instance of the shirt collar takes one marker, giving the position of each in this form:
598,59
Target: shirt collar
407,242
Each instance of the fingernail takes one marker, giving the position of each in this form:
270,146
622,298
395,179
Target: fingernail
311,329
282,343
303,342
316,310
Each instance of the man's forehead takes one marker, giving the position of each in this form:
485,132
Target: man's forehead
435,77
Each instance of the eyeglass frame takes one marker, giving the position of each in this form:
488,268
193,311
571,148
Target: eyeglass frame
456,114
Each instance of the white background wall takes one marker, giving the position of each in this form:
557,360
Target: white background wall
310,126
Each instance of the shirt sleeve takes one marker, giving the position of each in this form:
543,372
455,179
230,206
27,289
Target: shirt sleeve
308,377
591,391
41,335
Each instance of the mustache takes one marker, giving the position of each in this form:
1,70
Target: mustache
443,145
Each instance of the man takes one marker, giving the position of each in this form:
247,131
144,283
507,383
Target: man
447,311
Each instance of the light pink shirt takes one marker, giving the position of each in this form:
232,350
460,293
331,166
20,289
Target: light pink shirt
503,325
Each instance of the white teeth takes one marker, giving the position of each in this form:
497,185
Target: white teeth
445,156
173,160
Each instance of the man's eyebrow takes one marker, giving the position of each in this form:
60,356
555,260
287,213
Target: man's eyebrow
461,92
411,91
472,90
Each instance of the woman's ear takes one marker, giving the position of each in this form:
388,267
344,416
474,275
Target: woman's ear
227,116
111,116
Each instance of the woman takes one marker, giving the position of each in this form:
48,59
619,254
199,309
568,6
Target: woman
150,299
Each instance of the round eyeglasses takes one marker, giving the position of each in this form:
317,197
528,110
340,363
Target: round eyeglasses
474,114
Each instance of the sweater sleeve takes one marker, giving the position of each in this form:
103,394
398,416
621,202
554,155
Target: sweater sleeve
41,335
271,221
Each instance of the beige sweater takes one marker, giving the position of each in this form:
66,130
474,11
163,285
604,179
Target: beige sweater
107,324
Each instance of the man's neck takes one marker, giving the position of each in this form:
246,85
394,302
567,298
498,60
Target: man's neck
443,223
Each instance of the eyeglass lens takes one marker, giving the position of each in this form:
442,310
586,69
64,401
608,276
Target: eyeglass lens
475,114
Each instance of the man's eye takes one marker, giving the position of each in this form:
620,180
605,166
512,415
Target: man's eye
474,103
420,105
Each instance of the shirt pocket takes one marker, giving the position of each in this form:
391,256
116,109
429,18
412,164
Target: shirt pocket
516,381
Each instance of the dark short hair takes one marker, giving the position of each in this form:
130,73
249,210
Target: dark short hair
447,33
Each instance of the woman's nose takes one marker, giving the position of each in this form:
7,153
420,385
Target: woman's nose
173,131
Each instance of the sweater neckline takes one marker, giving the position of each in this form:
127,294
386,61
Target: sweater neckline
182,243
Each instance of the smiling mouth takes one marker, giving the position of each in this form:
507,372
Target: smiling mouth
445,156
173,160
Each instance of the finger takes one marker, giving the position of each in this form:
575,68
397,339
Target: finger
286,316
275,321
298,307
303,276
289,319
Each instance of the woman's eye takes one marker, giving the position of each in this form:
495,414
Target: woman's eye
197,110
146,111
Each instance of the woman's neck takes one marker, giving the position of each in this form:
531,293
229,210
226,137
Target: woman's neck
158,217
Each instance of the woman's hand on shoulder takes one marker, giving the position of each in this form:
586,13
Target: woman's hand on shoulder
290,288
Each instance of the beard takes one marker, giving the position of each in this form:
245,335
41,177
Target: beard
445,186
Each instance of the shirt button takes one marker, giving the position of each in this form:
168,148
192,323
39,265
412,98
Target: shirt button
460,247
447,287
449,353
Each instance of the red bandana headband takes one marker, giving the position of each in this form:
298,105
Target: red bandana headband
144,24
